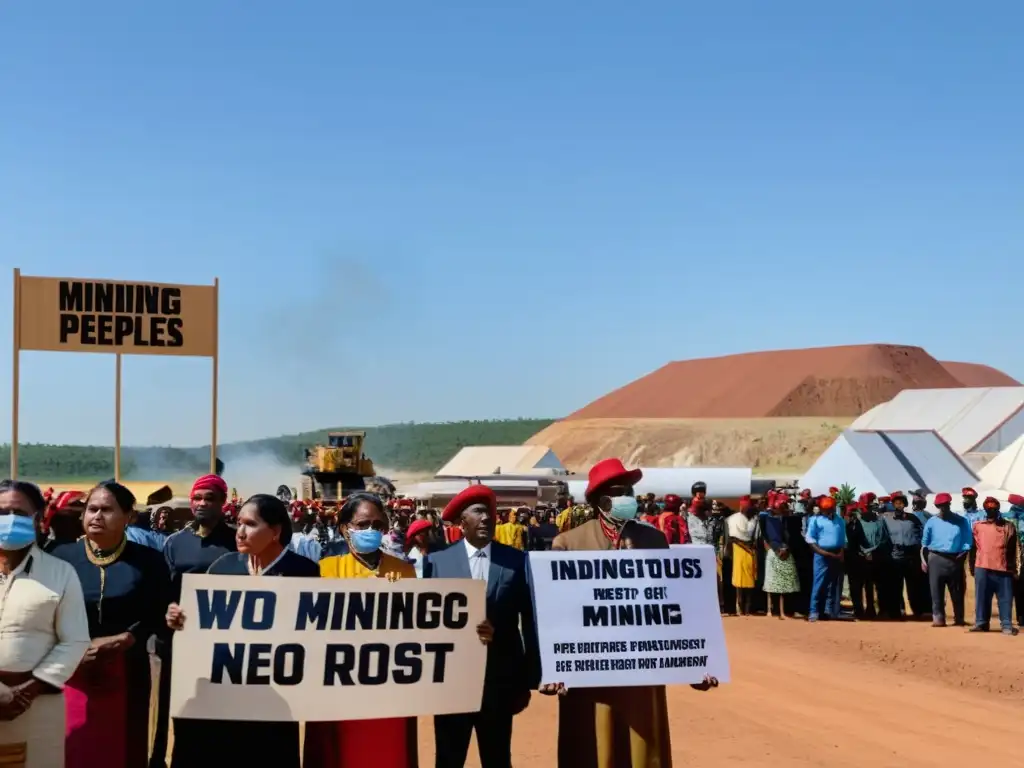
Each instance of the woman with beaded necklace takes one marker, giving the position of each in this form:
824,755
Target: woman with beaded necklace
264,530
127,589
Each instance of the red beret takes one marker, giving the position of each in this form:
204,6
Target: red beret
833,490
1016,499
474,494
673,503
210,483
405,504
415,527
969,492
884,499
827,502
942,499
990,501
805,493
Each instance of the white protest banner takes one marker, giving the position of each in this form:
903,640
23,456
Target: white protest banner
629,617
277,649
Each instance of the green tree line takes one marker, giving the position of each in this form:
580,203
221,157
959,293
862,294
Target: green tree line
406,447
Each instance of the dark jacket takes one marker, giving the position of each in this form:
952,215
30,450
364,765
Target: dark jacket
513,657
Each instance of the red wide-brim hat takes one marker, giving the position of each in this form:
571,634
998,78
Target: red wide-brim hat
610,472
416,527
466,498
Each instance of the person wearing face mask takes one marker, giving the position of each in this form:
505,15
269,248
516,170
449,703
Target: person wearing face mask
620,727
264,529
384,743
969,500
193,549
513,658
44,630
126,588
993,562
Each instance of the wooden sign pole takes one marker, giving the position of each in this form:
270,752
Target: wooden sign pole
117,418
216,366
15,373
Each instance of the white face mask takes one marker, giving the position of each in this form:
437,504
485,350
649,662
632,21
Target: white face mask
624,508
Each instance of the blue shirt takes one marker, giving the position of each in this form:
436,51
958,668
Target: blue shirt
827,532
951,537
153,539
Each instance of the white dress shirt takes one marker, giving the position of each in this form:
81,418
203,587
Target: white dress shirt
479,561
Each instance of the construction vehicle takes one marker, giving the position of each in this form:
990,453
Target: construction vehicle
333,471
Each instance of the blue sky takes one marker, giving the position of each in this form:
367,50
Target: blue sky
437,211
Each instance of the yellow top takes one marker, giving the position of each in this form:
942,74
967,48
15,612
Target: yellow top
347,567
511,535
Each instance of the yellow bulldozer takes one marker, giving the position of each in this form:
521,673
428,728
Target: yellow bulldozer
333,471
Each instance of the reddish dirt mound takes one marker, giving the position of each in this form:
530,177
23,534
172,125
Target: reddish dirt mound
977,375
825,381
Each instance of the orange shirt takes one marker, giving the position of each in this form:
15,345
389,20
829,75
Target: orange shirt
995,545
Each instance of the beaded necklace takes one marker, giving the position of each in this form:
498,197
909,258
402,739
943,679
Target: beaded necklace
101,561
610,530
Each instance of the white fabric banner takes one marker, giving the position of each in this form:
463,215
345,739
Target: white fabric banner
629,617
277,649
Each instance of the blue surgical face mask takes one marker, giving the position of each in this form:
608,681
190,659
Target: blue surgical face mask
17,532
624,508
366,541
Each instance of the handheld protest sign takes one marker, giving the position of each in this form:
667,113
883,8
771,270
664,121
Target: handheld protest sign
273,649
58,314
629,617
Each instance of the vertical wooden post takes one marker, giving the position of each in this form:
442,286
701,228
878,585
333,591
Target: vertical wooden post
15,373
216,366
117,418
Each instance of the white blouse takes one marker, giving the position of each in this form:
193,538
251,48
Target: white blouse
741,527
43,625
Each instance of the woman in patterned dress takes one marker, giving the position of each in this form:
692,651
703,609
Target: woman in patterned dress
780,574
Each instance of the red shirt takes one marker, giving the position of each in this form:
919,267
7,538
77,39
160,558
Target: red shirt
995,543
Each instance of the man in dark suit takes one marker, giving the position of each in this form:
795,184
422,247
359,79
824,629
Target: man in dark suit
513,656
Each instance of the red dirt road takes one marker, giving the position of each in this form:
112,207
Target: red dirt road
838,695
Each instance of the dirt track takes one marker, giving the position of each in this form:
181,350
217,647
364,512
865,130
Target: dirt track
886,695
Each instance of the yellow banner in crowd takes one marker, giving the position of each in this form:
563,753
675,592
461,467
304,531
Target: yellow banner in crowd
276,649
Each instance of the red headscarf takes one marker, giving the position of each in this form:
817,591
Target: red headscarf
208,483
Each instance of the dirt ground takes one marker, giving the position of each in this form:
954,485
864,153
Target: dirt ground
838,695
780,446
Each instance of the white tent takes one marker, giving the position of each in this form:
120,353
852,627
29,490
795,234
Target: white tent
478,460
883,462
971,419
1006,470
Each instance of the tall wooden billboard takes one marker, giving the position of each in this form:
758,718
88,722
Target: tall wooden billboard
64,314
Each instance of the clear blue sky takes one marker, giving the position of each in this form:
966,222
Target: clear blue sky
436,211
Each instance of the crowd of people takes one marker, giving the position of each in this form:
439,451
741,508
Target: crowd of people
90,589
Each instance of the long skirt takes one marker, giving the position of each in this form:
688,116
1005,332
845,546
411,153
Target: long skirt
614,728
107,707
780,576
744,568
34,739
387,743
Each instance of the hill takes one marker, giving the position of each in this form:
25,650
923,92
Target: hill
404,447
776,447
976,375
833,382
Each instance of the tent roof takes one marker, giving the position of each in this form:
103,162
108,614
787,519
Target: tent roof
1006,470
965,418
476,460
883,462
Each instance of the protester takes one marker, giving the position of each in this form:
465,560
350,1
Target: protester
994,563
44,630
826,534
1015,514
741,534
945,543
543,536
264,530
419,542
62,521
618,727
513,656
672,523
870,545
387,742
780,575
193,549
126,588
